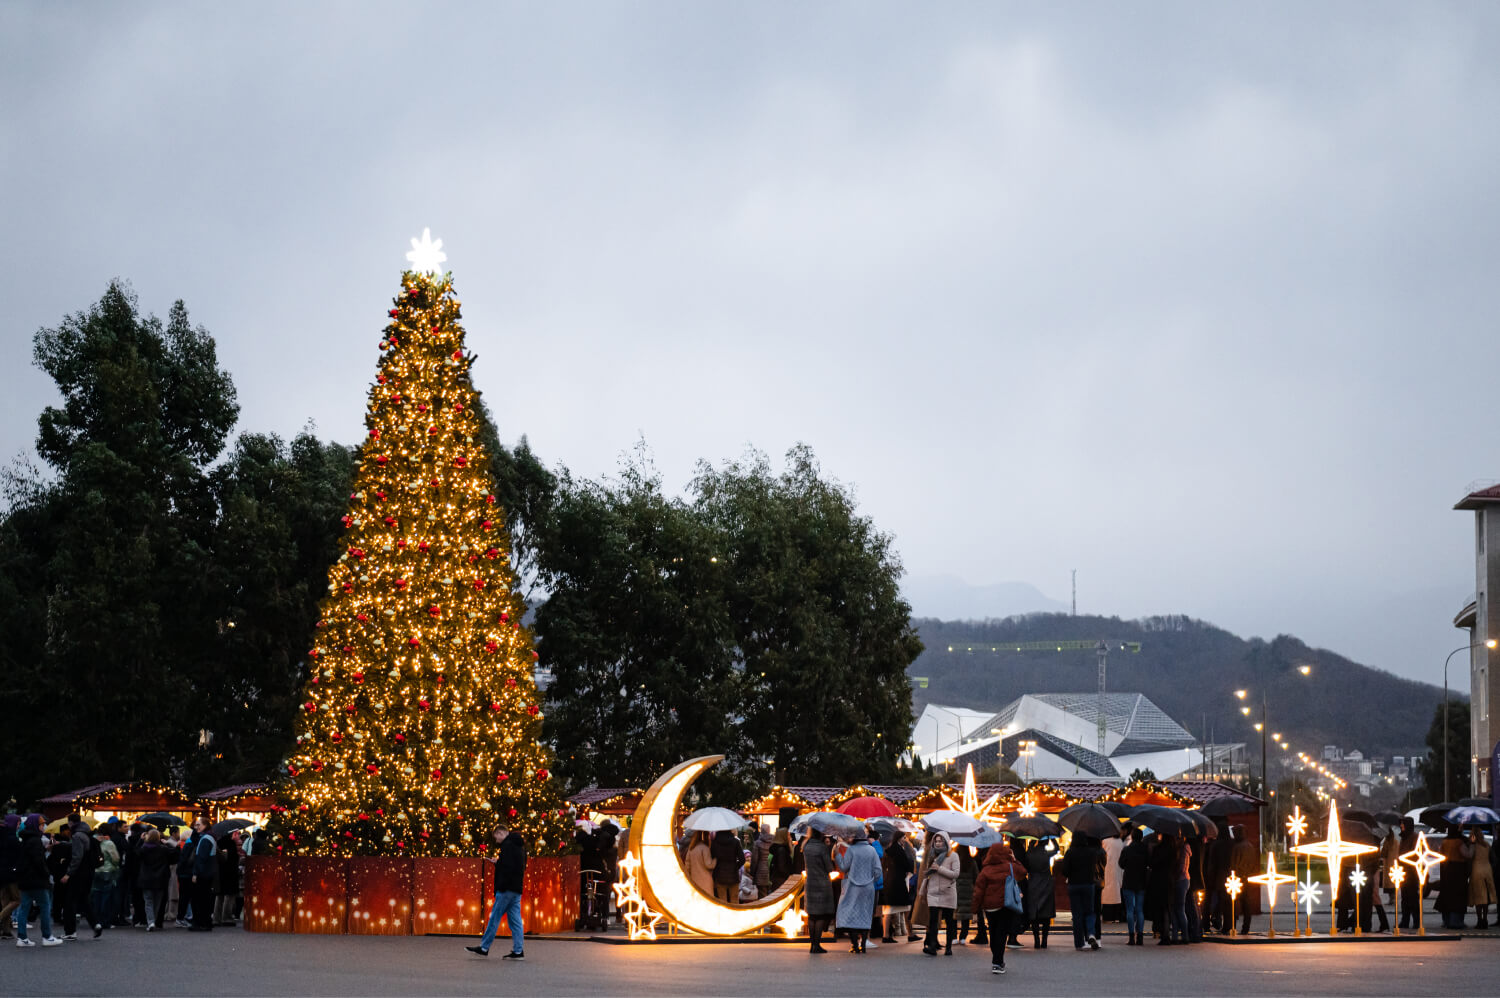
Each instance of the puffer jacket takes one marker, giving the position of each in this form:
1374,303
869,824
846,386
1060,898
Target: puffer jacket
942,881
989,887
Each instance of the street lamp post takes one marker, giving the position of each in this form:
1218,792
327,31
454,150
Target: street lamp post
1263,727
1447,792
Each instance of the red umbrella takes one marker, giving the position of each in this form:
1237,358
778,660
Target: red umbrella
869,807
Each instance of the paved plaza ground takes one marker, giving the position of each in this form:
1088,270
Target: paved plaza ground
233,962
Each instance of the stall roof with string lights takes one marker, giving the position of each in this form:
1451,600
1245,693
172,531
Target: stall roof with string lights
126,800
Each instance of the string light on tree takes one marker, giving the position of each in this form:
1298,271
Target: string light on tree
420,717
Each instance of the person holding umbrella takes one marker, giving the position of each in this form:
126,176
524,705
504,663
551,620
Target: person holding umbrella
1082,865
700,863
1041,897
1453,879
941,891
1134,874
728,858
1481,879
860,866
818,899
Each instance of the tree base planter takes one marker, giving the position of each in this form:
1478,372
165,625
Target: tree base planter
378,896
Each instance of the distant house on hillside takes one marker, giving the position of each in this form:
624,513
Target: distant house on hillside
1481,618
1054,736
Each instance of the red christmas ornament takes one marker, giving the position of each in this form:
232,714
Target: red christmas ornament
363,816
374,434
401,542
380,495
486,525
422,546
310,707
400,737
400,843
414,642
381,459
423,705
380,379
443,811
390,521
372,768
349,708
392,313
434,329
435,610
458,407
346,519
495,706
437,774
492,553
413,292
301,807
422,407
513,812
400,583
502,777
337,736
348,587
359,677
490,500
292,770
460,461
504,617
533,710
361,617
313,653
458,355
379,812
490,646
440,679
478,583
317,765
432,431
541,774
511,681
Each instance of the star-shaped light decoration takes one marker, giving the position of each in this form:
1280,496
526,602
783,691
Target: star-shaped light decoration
1423,859
1396,874
427,256
1234,885
1358,879
639,919
971,805
1027,808
1310,892
1334,849
1272,878
1296,825
791,923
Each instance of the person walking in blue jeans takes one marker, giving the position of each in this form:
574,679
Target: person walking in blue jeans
1083,866
35,881
1134,876
510,875
1181,884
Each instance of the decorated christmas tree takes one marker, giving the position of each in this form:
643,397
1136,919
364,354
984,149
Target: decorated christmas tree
421,721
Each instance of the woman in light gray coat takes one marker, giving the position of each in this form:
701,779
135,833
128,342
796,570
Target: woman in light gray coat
941,891
861,869
817,897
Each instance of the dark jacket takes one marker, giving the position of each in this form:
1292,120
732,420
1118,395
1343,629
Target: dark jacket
895,868
1083,864
1195,866
818,896
82,861
205,862
10,856
1134,864
32,873
185,856
725,849
1041,900
157,860
58,858
510,865
229,867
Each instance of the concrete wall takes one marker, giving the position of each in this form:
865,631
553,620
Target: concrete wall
1484,684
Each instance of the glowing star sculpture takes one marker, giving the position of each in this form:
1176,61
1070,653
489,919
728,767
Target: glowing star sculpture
664,885
1232,887
1271,879
1423,859
1310,893
1027,808
970,804
1357,879
640,920
1397,875
1296,827
427,256
1334,850
791,923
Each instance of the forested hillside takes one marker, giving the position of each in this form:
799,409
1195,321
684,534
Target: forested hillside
1191,670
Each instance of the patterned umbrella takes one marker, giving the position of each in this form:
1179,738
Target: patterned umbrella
1472,816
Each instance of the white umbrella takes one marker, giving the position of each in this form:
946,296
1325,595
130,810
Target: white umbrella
713,819
953,822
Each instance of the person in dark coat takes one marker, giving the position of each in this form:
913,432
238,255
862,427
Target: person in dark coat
1041,894
227,890
1196,886
204,864
818,899
1160,859
34,880
10,870
967,871
999,866
1135,875
1216,872
1453,879
185,877
79,880
156,863
728,859
895,898
1245,861
1410,900
1082,867
59,855
510,881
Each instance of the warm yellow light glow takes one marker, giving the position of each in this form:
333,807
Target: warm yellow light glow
427,256
1306,670
1242,693
663,883
640,920
971,805
1296,825
1272,878
1423,859
1490,643
791,923
1234,885
1027,808
1245,711
1334,849
1309,893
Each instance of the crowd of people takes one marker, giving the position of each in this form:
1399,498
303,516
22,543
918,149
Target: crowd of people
115,875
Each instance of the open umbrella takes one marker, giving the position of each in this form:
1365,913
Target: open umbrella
221,828
1436,815
1472,816
883,825
1037,826
1223,807
1090,819
1388,817
53,827
1355,814
829,823
869,807
982,839
1118,808
1476,802
1204,822
713,819
952,823
1357,831
1172,820
162,820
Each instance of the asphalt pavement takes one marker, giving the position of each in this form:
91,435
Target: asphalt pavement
233,962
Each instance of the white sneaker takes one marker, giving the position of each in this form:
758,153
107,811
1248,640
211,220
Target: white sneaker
24,943
872,944
962,942
52,941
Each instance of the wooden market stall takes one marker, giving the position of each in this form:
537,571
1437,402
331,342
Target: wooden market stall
251,801
127,801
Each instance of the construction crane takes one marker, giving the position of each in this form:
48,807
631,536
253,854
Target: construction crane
1100,647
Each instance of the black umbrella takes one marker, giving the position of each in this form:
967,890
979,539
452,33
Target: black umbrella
1223,807
161,819
222,828
1355,814
1090,819
1388,817
1166,819
1118,808
1476,802
1436,816
1205,824
1037,826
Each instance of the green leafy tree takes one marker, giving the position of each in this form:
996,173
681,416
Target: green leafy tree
106,552
1142,776
1431,766
823,634
637,637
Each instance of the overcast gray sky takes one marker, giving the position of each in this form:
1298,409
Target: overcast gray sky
1196,298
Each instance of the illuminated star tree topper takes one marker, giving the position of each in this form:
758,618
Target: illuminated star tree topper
427,256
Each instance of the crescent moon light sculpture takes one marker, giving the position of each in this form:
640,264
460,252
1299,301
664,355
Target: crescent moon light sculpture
663,882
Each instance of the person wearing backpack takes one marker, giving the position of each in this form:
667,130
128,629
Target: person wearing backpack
106,876
998,891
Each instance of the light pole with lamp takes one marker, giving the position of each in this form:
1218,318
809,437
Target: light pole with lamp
1000,745
1490,644
1265,776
